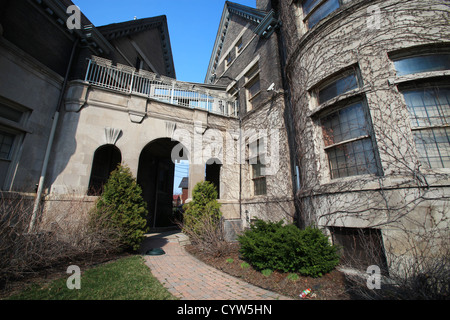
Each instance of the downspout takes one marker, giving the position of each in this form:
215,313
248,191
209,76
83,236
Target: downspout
240,166
40,189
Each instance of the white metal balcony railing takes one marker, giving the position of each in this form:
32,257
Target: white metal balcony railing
102,73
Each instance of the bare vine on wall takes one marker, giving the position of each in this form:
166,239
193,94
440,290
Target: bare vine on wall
404,198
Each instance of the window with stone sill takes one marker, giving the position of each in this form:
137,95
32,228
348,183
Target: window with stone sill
256,154
348,141
429,110
428,104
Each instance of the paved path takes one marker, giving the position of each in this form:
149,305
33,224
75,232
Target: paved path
188,278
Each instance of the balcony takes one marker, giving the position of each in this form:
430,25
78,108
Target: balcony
100,72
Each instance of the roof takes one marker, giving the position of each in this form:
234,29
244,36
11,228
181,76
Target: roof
184,184
265,25
127,28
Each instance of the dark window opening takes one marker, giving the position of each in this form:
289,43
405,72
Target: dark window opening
360,247
212,174
106,160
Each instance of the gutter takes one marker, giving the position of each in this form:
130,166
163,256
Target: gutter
51,139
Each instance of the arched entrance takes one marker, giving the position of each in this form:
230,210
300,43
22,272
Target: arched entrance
156,177
106,159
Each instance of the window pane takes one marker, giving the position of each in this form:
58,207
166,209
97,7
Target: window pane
353,158
345,124
6,142
432,62
428,107
433,146
254,87
323,11
338,87
260,186
308,5
10,113
258,169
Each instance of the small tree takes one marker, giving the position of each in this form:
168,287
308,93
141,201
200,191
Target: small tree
122,203
202,220
204,206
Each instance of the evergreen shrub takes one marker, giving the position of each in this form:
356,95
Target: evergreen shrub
122,208
204,209
286,248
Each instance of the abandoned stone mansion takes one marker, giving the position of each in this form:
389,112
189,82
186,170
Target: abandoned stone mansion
326,112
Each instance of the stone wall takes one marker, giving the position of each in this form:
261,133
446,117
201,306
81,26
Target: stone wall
403,194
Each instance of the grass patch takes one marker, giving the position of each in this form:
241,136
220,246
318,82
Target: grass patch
245,265
267,272
293,276
125,279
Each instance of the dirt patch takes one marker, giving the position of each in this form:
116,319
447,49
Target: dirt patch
331,286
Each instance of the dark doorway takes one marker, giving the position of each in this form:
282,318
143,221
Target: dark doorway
156,176
212,174
106,160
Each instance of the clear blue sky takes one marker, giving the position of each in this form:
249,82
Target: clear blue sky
193,26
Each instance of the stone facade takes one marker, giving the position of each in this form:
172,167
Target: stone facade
242,52
401,196
295,72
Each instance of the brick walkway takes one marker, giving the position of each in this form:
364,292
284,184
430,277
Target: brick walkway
190,279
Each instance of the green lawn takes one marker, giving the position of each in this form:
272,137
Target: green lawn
125,279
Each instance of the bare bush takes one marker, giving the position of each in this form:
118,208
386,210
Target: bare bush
207,234
62,235
415,272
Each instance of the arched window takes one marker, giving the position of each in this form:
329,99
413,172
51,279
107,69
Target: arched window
106,159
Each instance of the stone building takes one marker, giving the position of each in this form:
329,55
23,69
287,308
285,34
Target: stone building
330,112
245,59
369,95
109,95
